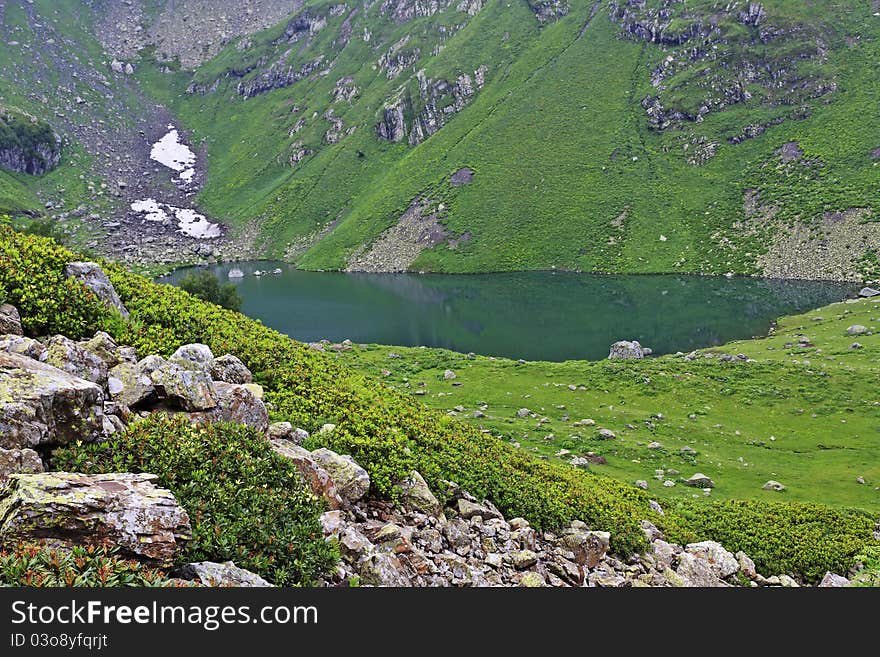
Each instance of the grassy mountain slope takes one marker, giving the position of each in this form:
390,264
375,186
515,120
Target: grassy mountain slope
390,433
805,411
569,169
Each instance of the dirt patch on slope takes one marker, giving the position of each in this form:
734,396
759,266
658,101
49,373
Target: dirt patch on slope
398,247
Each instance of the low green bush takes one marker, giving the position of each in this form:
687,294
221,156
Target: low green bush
39,566
245,503
781,537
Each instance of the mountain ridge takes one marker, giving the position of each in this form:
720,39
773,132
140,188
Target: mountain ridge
600,136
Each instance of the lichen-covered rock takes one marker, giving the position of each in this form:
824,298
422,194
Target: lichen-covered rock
14,461
229,369
193,356
210,573
352,481
833,581
383,569
42,405
94,278
67,355
17,344
237,404
105,348
282,431
314,476
721,562
416,495
130,384
468,509
589,547
126,511
626,350
188,389
10,320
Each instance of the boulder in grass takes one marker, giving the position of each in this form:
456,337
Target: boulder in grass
314,476
352,481
94,278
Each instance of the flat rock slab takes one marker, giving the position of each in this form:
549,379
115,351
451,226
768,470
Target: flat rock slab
42,405
63,509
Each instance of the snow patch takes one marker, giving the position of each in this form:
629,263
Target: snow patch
170,152
189,222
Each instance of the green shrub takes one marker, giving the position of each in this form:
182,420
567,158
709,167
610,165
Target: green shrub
781,537
205,286
32,565
245,503
32,275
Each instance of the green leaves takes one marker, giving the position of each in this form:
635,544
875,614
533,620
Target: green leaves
246,503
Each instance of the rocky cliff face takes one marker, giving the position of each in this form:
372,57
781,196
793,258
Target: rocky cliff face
27,145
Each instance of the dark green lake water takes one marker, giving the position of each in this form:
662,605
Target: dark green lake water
530,315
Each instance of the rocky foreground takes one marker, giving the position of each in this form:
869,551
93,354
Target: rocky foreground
55,391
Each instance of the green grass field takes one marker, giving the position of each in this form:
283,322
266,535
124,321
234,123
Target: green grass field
806,416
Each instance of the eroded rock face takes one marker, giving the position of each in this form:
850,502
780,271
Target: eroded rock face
352,481
209,573
42,405
14,461
229,369
237,404
314,476
191,390
112,510
10,321
17,344
193,357
96,280
71,357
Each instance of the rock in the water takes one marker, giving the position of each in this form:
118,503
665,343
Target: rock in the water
229,369
773,485
209,573
237,404
416,495
352,481
833,581
193,356
190,390
314,476
10,320
868,292
111,510
857,329
626,350
14,461
94,278
699,480
42,405
69,356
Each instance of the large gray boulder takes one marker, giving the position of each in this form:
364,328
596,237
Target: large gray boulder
193,356
209,573
626,350
721,562
125,511
237,404
10,320
14,461
868,292
699,480
352,481
229,369
313,475
67,355
187,389
417,496
104,347
42,405
131,384
94,278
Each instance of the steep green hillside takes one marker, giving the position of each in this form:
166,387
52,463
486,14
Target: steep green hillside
391,433
472,135
618,136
